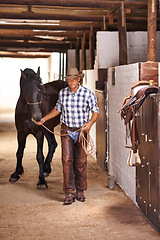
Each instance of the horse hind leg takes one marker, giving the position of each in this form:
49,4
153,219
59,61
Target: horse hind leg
52,144
19,168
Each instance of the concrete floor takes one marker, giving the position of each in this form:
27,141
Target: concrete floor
28,214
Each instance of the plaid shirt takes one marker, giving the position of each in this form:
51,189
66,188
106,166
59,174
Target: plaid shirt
76,107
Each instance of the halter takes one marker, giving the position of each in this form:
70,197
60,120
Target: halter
29,103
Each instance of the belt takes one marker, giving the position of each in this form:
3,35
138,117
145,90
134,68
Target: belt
64,126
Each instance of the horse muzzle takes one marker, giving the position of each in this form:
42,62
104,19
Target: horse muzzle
36,114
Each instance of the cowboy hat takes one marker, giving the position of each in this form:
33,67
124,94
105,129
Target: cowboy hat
74,73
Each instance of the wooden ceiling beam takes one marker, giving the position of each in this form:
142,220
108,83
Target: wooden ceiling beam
47,45
35,49
79,4
5,33
34,44
24,55
25,38
38,16
40,40
49,27
32,49
130,26
69,33
67,17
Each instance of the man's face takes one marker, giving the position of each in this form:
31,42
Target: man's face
73,83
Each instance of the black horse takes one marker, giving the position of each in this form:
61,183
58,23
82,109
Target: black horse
35,101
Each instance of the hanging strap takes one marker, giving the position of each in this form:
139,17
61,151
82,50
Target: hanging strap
130,158
134,132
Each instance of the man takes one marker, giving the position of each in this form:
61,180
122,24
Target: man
75,104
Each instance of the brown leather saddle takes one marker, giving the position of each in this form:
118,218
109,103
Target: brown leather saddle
131,103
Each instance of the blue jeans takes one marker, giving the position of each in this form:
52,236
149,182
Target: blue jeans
73,135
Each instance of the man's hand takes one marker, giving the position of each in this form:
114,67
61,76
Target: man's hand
40,122
87,126
53,113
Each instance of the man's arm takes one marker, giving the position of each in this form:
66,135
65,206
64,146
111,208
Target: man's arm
53,113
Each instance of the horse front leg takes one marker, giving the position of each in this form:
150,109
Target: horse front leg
52,144
42,184
21,137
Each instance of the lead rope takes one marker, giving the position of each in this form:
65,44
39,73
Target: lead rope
60,135
87,142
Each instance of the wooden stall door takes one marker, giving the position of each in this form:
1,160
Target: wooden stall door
101,134
148,173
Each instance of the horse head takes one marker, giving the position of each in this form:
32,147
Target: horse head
31,90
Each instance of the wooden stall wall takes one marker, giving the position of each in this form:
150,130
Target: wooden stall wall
147,181
148,173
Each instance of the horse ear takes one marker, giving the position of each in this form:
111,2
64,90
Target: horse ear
22,74
38,72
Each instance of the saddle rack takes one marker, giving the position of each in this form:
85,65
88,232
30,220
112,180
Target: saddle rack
131,103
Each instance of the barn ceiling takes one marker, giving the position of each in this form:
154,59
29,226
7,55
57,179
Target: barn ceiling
38,27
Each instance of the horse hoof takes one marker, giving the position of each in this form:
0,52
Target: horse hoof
46,170
42,185
13,180
46,174
15,177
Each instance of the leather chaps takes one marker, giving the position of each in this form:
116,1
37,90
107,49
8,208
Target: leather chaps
74,161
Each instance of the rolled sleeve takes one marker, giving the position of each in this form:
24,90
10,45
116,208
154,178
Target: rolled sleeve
93,104
58,106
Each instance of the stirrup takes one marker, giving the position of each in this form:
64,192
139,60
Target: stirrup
130,157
